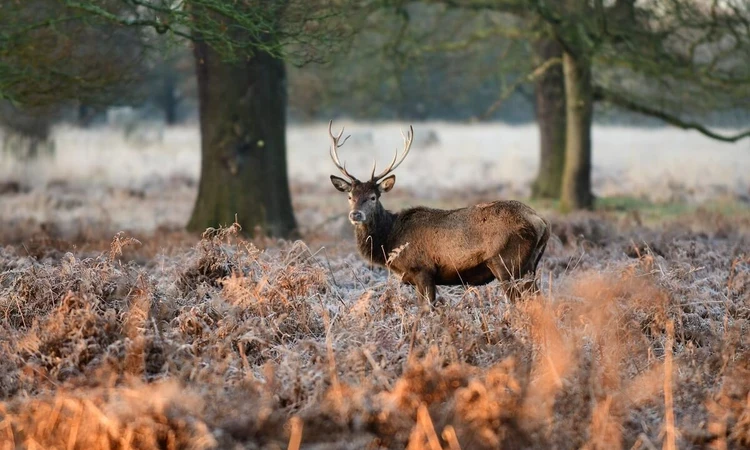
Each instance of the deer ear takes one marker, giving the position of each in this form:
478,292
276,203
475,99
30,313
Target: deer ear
341,184
387,184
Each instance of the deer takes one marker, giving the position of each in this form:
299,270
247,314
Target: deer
502,240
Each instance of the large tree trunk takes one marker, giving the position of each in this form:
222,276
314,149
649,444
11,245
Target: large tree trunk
243,144
550,116
576,186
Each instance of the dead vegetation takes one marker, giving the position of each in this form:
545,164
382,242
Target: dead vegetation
640,340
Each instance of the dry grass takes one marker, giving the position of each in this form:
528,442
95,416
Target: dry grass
156,338
639,340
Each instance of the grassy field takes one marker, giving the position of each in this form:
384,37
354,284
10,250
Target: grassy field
157,338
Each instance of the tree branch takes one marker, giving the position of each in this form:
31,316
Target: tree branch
529,77
39,25
623,102
158,26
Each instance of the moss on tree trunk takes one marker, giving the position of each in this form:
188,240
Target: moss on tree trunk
243,144
550,115
576,185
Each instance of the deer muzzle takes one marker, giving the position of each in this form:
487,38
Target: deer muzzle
356,217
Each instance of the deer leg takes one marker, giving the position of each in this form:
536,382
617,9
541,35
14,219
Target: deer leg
505,275
526,279
539,255
425,285
536,257
533,262
531,285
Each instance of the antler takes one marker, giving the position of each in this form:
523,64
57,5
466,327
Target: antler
334,150
408,138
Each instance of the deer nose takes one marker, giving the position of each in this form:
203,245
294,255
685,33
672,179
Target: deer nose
356,216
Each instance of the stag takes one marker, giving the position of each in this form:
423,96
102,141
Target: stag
475,245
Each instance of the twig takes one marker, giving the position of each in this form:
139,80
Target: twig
449,435
295,440
328,263
642,438
423,417
529,77
413,336
669,443
626,103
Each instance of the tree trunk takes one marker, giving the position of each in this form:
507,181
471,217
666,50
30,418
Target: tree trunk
86,115
169,99
550,116
576,185
243,144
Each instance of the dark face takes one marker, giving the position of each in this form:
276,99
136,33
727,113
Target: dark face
364,198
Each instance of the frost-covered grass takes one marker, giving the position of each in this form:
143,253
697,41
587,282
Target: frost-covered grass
181,341
224,343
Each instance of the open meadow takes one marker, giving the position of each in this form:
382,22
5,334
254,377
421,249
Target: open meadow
121,330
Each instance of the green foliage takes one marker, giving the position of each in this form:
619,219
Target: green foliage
676,60
419,60
50,54
682,61
454,59
55,50
234,29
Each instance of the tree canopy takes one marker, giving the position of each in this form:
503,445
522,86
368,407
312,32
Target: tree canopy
55,50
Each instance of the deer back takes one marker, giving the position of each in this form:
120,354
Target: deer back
460,238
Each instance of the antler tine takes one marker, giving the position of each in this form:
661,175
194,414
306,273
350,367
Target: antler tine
390,167
408,138
334,149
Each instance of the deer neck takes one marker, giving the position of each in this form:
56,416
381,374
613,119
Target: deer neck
373,236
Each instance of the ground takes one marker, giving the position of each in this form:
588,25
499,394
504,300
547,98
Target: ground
156,338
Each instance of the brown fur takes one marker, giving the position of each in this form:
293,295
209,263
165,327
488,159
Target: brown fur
502,240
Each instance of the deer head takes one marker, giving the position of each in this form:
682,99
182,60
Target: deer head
364,197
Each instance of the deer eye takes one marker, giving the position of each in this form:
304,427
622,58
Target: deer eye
372,198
